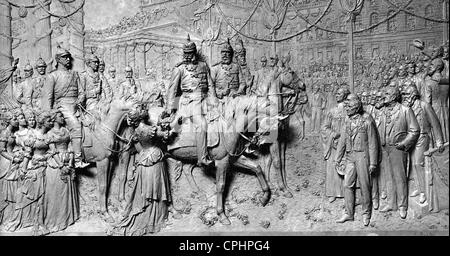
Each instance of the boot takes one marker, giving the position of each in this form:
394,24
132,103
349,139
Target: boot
76,142
79,164
366,220
202,149
422,198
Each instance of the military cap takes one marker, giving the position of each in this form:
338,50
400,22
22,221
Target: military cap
102,62
91,57
226,46
41,63
60,51
28,67
128,69
112,69
189,46
263,58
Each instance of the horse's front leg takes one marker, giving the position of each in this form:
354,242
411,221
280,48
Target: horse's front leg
222,167
124,160
245,162
102,180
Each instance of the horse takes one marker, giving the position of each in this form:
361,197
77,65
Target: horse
229,127
99,144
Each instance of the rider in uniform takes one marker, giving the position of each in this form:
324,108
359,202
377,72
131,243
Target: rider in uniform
63,91
227,76
192,79
91,82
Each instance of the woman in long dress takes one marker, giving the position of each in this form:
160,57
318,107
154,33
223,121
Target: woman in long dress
61,205
30,191
7,142
148,205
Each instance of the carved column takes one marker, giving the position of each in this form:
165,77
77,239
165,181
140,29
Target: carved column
6,43
122,59
445,10
141,58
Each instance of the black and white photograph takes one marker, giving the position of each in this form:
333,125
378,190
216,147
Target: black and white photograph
224,118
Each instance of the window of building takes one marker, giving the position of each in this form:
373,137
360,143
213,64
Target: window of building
410,20
392,23
374,20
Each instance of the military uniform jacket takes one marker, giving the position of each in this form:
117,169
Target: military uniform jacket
399,125
25,92
62,84
333,123
91,83
261,84
227,79
192,81
359,135
38,85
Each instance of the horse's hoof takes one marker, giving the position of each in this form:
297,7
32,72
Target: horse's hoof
224,219
265,198
287,194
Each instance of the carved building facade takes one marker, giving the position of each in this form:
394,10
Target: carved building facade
152,38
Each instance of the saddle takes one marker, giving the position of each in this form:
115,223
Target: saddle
186,135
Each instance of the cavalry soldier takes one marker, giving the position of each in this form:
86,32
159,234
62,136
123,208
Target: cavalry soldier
399,131
91,82
429,123
259,76
191,77
227,76
38,82
63,91
107,92
25,88
359,148
241,57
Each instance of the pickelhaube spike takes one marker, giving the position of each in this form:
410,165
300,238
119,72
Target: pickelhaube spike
189,46
40,62
227,46
28,66
60,51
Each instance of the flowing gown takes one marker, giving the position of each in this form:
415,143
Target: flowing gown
61,205
147,206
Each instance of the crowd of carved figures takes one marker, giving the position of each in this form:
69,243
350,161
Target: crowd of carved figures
379,138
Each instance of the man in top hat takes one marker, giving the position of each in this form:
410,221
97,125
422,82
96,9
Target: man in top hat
227,76
91,82
241,57
24,92
63,91
192,79
38,82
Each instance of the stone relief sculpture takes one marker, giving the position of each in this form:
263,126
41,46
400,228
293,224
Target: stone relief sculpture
141,145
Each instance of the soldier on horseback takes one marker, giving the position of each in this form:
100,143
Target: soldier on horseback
192,78
227,76
63,91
